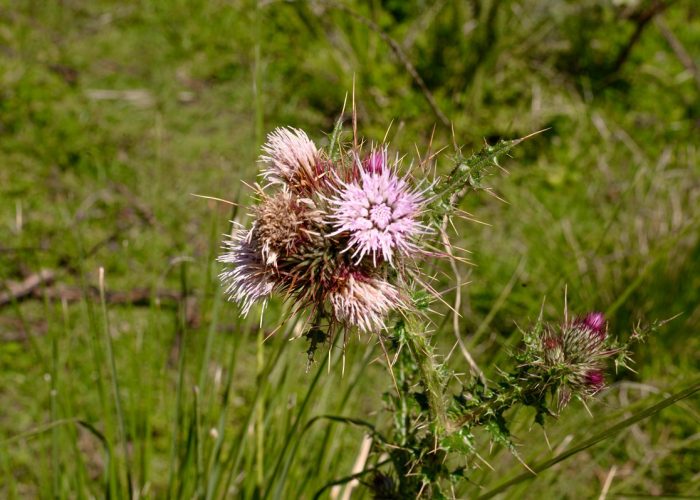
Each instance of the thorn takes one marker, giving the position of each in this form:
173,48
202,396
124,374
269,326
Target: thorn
546,438
354,115
586,407
518,141
490,192
484,461
517,457
215,199
387,130
663,322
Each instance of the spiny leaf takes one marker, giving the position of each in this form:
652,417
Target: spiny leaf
461,441
468,172
333,149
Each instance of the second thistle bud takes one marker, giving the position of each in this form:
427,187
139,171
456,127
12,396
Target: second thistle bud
595,380
583,338
595,323
573,356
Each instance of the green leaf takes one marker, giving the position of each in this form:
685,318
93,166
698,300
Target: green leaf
333,149
461,441
468,172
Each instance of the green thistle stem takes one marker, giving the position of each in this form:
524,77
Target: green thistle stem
486,404
467,172
422,353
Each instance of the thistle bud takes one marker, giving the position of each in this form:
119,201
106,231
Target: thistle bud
595,380
583,338
594,322
375,162
552,349
575,354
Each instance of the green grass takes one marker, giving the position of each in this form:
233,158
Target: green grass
113,113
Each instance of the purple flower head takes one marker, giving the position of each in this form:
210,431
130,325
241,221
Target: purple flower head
380,212
245,277
595,322
595,379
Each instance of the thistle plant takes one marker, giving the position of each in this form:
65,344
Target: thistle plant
341,234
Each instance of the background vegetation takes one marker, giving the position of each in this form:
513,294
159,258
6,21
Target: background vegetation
112,113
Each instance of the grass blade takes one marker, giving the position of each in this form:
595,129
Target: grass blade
292,432
115,382
347,479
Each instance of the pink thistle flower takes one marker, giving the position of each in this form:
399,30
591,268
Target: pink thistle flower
379,211
290,158
245,277
375,162
594,322
595,380
364,302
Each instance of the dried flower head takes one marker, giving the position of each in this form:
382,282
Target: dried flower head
290,159
245,277
379,212
283,223
364,301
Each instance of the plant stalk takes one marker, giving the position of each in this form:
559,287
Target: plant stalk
422,352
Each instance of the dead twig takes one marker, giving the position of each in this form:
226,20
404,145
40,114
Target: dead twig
33,288
18,291
140,297
678,49
400,55
642,20
136,296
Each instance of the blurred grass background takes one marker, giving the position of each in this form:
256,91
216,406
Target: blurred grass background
112,113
